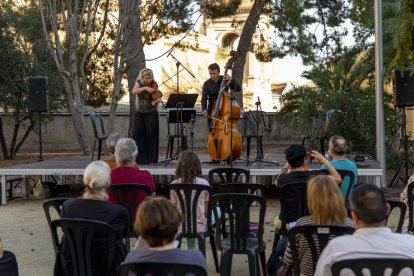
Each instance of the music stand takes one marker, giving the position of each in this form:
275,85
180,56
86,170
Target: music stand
188,100
180,101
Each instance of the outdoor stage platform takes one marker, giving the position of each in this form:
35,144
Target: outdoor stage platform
370,170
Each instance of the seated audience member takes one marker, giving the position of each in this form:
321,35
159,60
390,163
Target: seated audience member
404,198
157,222
296,170
8,263
326,206
372,239
126,172
94,205
188,170
110,145
337,149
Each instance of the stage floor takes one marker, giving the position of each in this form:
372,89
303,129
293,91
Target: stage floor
75,165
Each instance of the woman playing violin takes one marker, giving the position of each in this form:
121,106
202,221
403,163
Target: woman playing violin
146,123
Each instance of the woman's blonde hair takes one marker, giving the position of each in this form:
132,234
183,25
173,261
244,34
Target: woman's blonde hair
325,202
188,167
144,72
96,179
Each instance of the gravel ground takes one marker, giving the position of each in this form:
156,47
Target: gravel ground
25,232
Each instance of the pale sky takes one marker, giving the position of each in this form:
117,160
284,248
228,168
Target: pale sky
289,69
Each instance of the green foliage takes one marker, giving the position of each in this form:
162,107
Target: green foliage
347,86
165,18
354,117
219,8
315,30
312,29
405,34
23,54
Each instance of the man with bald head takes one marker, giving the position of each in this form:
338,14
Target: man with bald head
338,146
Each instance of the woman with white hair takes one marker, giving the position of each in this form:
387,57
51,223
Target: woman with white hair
126,171
146,133
94,205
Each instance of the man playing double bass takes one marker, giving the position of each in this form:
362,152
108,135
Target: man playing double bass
211,88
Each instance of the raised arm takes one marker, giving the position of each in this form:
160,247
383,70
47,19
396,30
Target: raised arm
332,171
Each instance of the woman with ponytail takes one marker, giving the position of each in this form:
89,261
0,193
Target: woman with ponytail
94,205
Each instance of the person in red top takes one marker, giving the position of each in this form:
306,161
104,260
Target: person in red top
126,171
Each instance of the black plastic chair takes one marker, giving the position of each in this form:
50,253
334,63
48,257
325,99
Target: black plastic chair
350,177
91,245
57,205
186,192
293,199
188,117
160,269
321,131
250,130
227,175
314,239
235,211
244,188
376,266
126,195
171,134
100,135
410,207
396,204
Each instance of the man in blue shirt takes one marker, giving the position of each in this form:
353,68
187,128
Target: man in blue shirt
337,149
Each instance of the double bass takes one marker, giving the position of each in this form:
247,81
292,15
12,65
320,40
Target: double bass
224,140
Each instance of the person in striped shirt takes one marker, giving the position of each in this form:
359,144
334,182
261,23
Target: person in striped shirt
326,206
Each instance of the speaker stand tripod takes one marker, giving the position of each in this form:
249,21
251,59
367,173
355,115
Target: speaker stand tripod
402,173
40,159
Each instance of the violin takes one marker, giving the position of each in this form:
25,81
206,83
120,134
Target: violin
157,94
224,140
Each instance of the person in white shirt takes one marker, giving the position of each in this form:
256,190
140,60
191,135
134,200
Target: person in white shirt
372,239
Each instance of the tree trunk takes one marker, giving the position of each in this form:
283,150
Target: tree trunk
3,140
245,41
73,25
134,54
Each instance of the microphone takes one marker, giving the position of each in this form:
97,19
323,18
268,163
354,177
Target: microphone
169,53
258,99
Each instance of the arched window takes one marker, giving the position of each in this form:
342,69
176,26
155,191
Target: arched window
229,40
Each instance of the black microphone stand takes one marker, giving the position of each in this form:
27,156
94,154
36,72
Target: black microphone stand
182,143
259,147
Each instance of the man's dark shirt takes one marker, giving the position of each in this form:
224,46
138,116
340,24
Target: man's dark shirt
295,176
288,179
210,92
